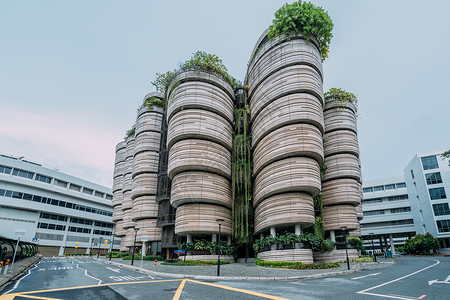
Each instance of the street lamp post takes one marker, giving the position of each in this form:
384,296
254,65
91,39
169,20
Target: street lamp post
344,228
220,221
373,248
99,244
134,245
112,245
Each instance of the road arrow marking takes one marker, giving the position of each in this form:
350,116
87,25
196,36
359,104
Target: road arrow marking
374,274
114,270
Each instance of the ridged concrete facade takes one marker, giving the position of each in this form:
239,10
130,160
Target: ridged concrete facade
199,140
286,102
341,186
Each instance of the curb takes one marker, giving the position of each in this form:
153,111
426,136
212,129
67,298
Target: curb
201,277
21,270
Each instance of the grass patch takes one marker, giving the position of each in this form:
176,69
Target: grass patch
195,263
147,257
359,259
295,265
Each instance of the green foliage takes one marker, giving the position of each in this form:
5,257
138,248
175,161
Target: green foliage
225,249
317,244
200,61
295,265
154,101
359,259
130,133
446,154
241,177
195,263
146,257
421,244
341,96
400,249
310,20
356,243
116,254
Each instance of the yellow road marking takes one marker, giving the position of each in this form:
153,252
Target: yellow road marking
7,297
239,290
179,290
83,287
36,297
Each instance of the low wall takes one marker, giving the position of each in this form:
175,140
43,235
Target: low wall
229,258
292,255
334,256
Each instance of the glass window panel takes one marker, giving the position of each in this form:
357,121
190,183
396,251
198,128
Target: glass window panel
430,162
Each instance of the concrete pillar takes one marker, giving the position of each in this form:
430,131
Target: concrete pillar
298,231
144,248
189,237
333,237
391,239
273,233
229,240
214,238
381,244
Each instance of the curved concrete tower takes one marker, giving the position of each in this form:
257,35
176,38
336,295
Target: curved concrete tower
286,101
127,203
199,142
145,169
117,193
341,183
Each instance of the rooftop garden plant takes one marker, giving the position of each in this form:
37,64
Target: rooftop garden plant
305,18
130,133
153,101
335,94
200,61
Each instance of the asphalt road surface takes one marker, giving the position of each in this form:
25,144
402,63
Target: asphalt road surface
82,278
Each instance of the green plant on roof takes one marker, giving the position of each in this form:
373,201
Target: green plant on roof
200,61
335,94
305,18
130,133
153,101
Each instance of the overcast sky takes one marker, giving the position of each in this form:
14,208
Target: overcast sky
73,73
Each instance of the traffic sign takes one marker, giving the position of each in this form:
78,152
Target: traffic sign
95,244
77,243
106,245
179,251
76,246
144,238
34,240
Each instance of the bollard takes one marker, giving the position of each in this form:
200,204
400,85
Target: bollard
1,266
5,269
155,261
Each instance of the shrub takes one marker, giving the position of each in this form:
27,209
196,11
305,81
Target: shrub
310,20
356,243
195,263
359,259
295,265
421,244
116,254
147,257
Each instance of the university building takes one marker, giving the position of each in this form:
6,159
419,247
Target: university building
59,212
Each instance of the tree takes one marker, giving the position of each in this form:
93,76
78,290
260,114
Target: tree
446,154
421,244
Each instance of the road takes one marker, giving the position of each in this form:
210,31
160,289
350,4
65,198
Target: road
83,278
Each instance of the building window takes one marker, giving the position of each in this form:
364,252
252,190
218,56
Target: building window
443,226
5,169
437,193
374,200
398,198
430,162
412,174
378,188
373,213
22,173
75,187
441,209
87,191
433,178
400,210
109,197
367,189
400,185
98,194
389,186
43,178
61,183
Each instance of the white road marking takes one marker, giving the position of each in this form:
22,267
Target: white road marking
126,278
365,276
86,274
393,296
18,281
437,281
114,270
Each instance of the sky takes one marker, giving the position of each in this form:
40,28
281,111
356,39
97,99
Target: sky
73,73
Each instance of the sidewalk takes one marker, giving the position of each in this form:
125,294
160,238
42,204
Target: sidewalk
20,267
239,271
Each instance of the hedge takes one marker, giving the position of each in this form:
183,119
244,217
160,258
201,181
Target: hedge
195,263
295,265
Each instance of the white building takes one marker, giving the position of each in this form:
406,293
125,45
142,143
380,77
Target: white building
428,181
388,219
65,213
